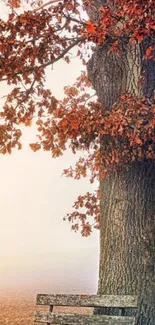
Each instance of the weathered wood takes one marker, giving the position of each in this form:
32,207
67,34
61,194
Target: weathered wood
50,309
72,319
88,300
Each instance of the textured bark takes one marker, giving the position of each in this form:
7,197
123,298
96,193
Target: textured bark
113,75
127,250
127,236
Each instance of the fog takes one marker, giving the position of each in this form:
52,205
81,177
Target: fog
38,251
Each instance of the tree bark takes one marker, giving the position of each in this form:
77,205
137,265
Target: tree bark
127,226
127,232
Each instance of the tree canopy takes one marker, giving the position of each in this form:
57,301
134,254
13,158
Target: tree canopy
33,39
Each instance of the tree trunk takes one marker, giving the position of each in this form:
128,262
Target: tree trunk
127,250
127,227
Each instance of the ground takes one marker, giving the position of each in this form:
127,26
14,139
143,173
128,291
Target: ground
18,308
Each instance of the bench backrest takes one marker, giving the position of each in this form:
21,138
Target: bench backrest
85,301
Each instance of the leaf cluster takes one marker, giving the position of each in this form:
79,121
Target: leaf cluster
35,39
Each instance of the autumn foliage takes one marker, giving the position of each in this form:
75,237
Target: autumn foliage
45,33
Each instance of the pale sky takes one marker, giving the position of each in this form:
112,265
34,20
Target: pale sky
37,248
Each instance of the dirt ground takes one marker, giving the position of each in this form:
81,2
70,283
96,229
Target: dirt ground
16,309
19,309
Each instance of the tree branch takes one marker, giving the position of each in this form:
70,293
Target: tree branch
44,65
44,5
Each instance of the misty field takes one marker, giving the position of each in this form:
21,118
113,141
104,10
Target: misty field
16,309
19,308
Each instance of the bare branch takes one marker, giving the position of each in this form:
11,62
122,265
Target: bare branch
45,4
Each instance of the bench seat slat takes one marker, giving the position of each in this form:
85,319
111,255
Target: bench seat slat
88,300
72,319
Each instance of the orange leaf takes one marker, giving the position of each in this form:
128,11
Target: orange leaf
35,146
14,3
90,27
28,123
137,140
149,52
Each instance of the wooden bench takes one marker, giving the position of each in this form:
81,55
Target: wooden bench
84,301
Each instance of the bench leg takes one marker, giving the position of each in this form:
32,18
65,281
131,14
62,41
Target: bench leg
50,309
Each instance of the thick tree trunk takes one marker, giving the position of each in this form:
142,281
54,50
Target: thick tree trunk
127,250
127,235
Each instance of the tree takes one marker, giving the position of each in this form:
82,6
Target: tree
116,131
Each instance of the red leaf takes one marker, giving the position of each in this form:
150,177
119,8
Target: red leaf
14,3
90,27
